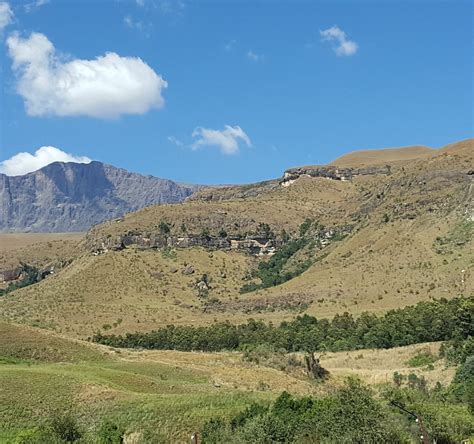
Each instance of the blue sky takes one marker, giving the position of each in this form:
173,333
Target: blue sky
262,85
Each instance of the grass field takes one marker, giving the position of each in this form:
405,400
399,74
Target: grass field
162,396
39,249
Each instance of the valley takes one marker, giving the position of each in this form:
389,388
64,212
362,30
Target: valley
340,245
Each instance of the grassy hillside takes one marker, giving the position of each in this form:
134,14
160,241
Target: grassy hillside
161,396
380,157
38,250
410,239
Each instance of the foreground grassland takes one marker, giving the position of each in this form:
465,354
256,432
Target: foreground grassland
162,396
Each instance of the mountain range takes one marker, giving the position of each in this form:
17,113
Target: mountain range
66,197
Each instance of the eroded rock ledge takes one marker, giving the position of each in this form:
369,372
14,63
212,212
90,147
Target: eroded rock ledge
331,172
256,245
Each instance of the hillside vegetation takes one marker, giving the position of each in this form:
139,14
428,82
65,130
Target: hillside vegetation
247,308
376,242
164,396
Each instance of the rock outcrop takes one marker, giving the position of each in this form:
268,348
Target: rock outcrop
255,245
331,172
72,197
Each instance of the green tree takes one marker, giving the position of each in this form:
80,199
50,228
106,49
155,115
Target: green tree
164,227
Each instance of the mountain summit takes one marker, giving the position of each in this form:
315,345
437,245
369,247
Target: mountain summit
72,196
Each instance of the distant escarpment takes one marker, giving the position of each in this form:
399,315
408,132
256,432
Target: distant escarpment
72,197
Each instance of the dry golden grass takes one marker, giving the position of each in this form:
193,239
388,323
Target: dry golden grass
378,366
380,266
37,248
136,290
378,270
283,208
383,156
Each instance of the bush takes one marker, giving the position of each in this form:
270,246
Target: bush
421,359
349,415
465,373
31,276
214,431
36,435
110,433
164,227
65,427
447,423
457,350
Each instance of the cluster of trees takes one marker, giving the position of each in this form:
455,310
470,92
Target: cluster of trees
275,271
349,415
439,320
352,414
272,272
30,275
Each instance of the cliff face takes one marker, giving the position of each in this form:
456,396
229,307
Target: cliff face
72,197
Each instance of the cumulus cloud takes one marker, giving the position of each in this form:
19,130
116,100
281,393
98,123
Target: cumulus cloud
227,140
342,45
6,15
23,163
106,87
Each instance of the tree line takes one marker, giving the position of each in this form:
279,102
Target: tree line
438,320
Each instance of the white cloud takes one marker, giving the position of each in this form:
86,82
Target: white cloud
175,141
343,46
140,2
23,163
29,7
6,15
226,140
105,87
134,24
254,57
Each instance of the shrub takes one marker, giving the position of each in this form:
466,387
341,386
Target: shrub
37,435
30,275
110,433
206,234
65,427
350,415
305,226
457,350
164,227
421,359
465,373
